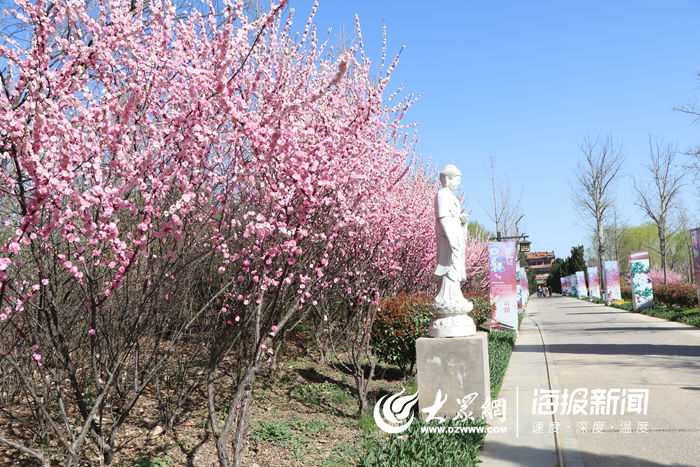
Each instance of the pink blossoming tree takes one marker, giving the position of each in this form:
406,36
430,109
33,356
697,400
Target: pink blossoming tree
190,185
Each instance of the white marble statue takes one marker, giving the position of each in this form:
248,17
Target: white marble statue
450,308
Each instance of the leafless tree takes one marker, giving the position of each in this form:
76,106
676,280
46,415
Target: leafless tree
594,185
616,232
659,200
504,209
683,222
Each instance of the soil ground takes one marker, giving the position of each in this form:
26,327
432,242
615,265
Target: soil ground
303,413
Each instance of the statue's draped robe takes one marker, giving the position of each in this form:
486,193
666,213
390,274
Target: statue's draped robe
451,244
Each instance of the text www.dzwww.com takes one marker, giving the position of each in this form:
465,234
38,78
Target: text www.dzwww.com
464,429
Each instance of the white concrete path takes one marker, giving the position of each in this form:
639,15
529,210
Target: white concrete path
592,347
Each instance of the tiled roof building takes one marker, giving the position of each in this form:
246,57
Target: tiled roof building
541,263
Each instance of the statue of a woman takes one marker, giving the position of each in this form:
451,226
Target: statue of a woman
450,307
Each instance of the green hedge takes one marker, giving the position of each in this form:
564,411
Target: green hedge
501,345
681,295
400,320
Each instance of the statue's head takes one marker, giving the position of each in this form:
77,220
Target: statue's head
450,176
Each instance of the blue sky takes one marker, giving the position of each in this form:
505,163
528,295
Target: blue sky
527,81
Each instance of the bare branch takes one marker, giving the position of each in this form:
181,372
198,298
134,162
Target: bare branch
504,210
660,199
592,191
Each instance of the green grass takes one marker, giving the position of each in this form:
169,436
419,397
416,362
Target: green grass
278,431
413,448
289,432
680,315
292,434
347,454
326,393
367,423
144,461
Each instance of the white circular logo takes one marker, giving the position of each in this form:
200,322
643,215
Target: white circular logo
395,410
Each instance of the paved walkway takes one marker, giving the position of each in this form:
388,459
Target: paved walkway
591,347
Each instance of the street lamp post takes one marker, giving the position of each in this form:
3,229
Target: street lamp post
520,240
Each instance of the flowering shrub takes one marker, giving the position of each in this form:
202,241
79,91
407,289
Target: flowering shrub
672,277
680,295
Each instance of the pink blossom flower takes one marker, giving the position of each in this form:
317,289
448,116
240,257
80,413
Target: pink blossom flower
37,358
91,332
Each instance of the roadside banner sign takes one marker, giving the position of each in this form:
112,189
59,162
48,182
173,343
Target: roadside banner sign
503,285
642,291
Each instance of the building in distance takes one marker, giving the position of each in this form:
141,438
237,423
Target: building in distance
541,263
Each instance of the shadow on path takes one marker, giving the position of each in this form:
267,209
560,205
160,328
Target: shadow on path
528,456
595,313
633,328
618,349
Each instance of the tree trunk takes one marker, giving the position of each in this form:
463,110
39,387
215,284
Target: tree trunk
222,453
691,279
662,249
241,429
601,253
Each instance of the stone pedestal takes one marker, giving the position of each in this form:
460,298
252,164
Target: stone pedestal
457,367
